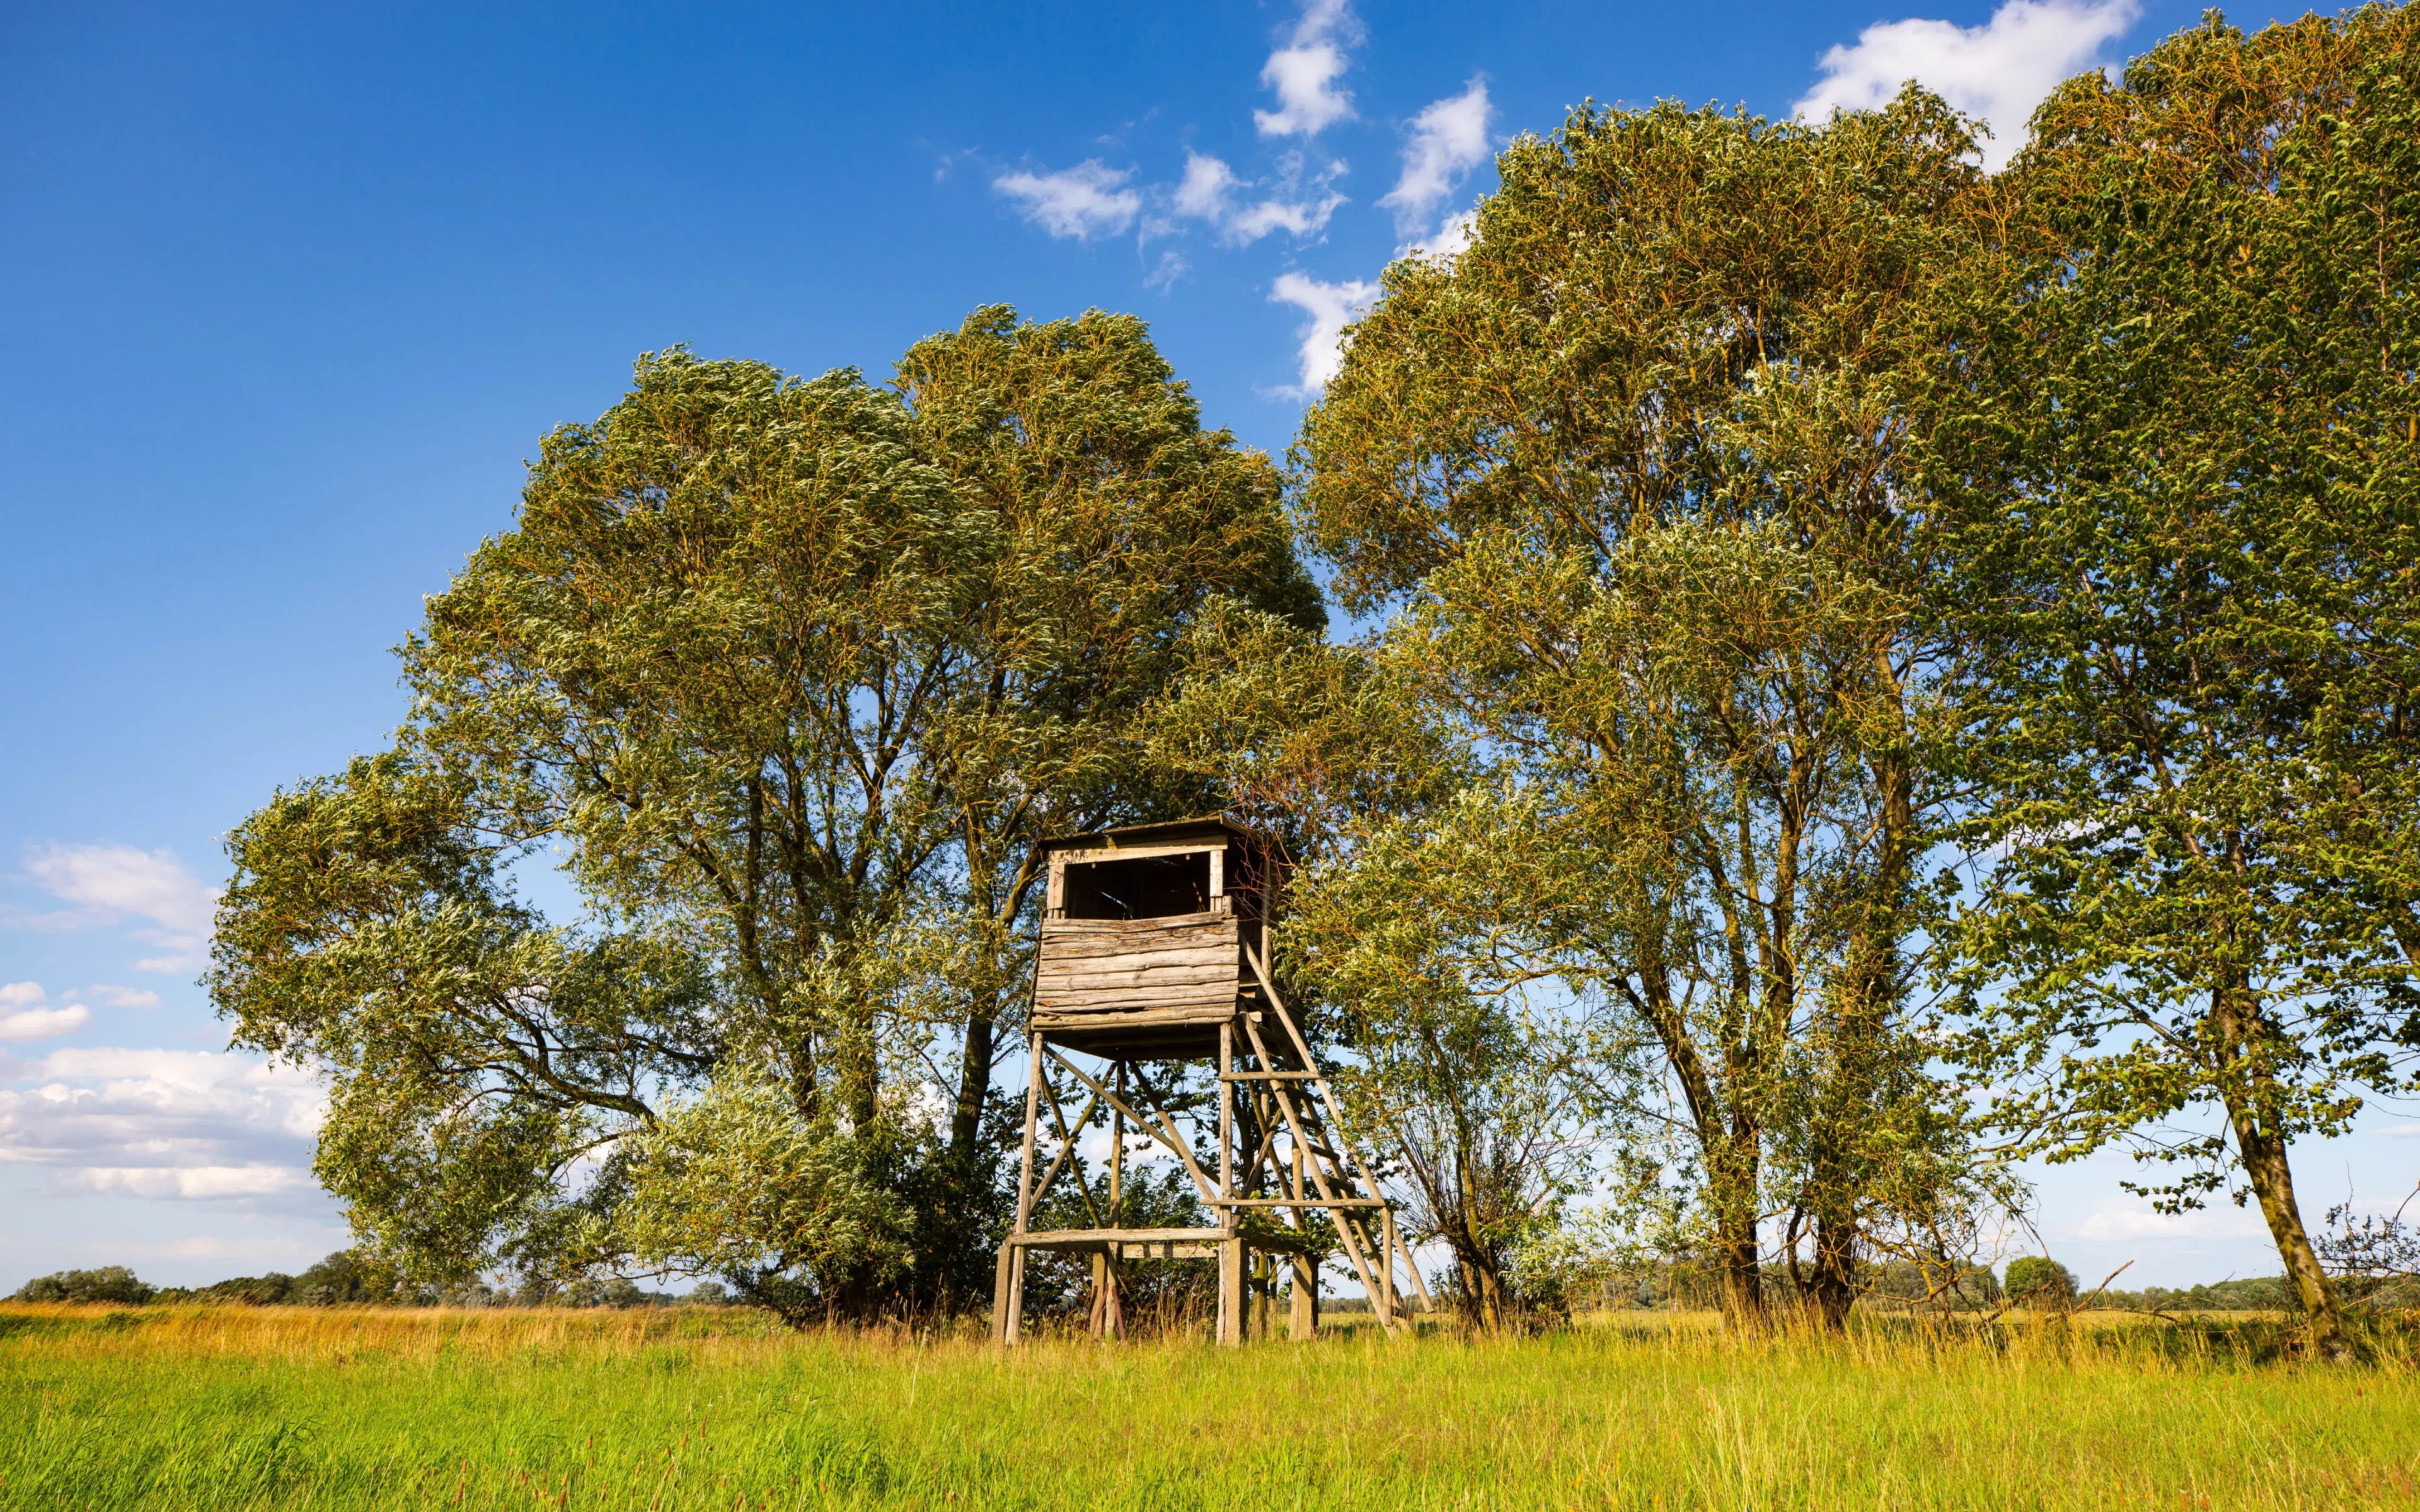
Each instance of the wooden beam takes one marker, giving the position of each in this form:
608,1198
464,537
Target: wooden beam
1093,855
1297,1203
1169,1138
1080,1238
1067,1152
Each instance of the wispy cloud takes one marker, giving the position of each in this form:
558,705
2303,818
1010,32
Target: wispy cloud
1999,70
1209,192
1443,144
1080,203
115,884
1331,308
109,996
2123,1219
1303,73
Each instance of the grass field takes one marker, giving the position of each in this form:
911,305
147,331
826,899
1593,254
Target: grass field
699,1407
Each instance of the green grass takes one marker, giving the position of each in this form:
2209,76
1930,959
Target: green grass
174,1408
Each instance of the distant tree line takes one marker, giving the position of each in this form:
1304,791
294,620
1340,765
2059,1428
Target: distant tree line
344,1279
1869,672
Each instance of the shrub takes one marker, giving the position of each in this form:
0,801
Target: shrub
2038,1281
111,1283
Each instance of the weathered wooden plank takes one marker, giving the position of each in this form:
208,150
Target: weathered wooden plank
1225,956
1217,1013
1154,952
1108,948
1070,999
1058,928
1139,976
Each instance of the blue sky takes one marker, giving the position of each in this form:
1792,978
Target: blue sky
290,291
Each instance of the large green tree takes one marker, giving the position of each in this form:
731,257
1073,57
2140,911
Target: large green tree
2183,450
786,675
1631,471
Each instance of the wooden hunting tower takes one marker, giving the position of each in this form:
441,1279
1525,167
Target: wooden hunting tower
1154,954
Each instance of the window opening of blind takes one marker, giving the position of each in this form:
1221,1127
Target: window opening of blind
1152,886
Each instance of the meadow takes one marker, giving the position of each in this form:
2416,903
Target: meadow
708,1408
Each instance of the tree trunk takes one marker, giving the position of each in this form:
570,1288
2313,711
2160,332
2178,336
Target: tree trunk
859,1078
2273,1183
1832,1279
1733,1163
2249,1092
974,1082
1866,1012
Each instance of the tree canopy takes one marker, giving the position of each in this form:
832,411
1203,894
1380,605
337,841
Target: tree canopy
1864,670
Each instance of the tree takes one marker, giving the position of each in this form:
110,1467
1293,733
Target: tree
110,1283
788,674
2183,456
795,1214
1630,469
1488,1082
2039,1281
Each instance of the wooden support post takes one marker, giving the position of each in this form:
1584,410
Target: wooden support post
1230,1248
1387,1267
1008,1296
1302,1319
1117,1318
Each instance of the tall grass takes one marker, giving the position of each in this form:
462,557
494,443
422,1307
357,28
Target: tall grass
701,1407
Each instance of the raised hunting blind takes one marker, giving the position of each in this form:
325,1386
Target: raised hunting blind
1153,957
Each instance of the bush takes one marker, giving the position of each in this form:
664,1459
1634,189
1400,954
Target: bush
1904,1283
2040,1281
111,1283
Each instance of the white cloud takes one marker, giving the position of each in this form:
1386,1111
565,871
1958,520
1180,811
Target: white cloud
1082,201
109,996
22,994
44,1022
2399,1130
111,883
1447,141
1305,71
1450,241
1331,307
1208,192
1302,217
164,1123
1999,70
1206,188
